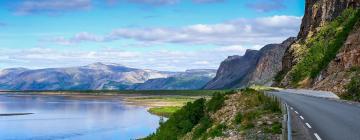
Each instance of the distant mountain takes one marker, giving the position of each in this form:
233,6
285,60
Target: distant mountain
93,76
97,76
190,79
255,67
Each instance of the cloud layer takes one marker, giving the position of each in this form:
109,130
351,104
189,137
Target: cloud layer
267,5
236,32
51,7
157,59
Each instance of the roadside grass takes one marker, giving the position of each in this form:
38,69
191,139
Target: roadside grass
353,87
264,88
164,111
257,105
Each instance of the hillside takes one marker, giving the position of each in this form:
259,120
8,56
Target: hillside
255,67
326,53
246,114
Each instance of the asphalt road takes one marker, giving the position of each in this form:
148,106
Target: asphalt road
325,119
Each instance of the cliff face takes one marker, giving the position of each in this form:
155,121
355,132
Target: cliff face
335,74
234,70
318,12
339,72
255,67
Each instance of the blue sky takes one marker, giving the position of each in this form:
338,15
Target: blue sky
155,34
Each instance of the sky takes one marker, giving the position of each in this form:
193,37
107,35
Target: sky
167,35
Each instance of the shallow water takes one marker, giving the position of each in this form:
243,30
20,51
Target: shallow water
57,117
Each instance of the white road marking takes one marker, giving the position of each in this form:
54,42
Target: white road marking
302,117
317,136
308,125
296,112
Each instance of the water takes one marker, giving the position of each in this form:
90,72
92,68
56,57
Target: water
57,117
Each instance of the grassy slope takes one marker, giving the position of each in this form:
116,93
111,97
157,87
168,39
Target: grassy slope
200,119
323,47
164,111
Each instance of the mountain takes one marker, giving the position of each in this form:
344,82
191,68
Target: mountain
255,67
190,79
326,54
100,76
94,76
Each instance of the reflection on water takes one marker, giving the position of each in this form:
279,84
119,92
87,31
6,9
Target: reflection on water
57,117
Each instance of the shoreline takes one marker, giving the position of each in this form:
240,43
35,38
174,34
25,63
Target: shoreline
144,100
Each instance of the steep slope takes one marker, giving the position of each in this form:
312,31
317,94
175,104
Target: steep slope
255,67
93,76
327,47
190,79
234,70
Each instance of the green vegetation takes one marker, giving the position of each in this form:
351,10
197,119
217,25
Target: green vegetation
117,92
353,88
164,111
205,123
274,129
323,47
257,105
193,120
279,76
181,122
216,102
216,131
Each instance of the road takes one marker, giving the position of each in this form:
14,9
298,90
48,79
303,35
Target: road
326,119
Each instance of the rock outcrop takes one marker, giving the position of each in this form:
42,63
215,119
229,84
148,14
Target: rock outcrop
255,67
339,72
333,78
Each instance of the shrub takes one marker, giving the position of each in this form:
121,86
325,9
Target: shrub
274,129
238,118
217,131
216,102
353,89
204,124
180,122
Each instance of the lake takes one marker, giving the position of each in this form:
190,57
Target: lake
63,118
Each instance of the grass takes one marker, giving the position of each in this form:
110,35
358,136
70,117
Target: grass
274,129
323,47
257,104
353,87
116,92
164,111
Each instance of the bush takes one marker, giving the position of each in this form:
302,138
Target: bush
323,47
238,118
353,89
216,102
274,129
204,124
180,122
217,131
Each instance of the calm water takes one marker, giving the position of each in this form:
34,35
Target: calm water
57,117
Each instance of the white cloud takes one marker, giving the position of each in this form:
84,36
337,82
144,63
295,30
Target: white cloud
262,31
157,59
50,7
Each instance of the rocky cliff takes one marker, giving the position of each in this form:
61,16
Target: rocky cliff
190,79
255,67
327,46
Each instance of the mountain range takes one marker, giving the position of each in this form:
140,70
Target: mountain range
100,76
